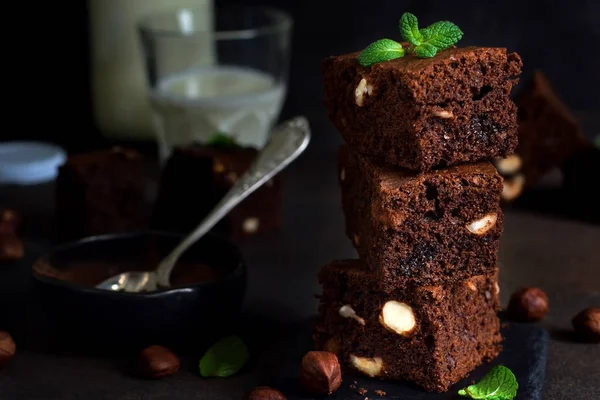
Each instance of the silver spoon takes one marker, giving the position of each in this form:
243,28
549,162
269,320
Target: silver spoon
287,142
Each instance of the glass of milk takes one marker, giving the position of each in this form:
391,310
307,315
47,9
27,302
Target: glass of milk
223,74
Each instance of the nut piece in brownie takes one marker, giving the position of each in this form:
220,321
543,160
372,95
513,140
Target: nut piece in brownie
548,135
430,335
101,192
422,228
420,113
194,180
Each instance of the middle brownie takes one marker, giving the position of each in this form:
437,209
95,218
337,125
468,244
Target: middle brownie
422,229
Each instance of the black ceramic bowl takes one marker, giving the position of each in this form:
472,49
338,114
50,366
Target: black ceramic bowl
88,318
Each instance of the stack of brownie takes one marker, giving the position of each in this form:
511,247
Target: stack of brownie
422,206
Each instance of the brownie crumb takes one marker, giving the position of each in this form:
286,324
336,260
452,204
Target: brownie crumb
380,393
362,391
352,386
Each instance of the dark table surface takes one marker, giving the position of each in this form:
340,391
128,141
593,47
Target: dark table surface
559,254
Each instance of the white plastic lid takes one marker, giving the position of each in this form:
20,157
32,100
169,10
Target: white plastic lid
28,163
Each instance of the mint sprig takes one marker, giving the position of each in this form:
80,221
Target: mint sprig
221,140
379,51
224,358
498,384
424,43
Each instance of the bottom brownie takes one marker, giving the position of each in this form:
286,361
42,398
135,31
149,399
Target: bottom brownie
431,335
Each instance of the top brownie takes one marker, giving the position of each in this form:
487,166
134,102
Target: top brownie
421,113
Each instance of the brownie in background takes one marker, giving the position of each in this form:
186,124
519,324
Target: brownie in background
422,228
548,135
424,113
431,335
101,192
195,179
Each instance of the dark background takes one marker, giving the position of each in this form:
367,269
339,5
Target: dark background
49,52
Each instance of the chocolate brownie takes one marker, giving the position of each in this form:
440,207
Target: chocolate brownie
430,335
548,135
195,179
423,228
101,192
422,113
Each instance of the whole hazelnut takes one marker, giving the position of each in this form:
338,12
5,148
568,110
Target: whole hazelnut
528,305
587,324
158,361
9,221
7,348
11,248
320,373
266,393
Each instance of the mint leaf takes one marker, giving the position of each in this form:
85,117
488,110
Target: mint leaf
221,140
426,50
409,28
442,34
498,384
597,141
224,358
380,51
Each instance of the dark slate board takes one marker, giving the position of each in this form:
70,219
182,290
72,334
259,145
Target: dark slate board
524,352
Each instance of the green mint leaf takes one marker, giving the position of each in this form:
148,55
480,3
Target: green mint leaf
224,358
442,34
498,384
380,51
597,141
221,140
426,50
409,29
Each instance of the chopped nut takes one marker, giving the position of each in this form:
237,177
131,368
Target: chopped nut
380,393
362,391
443,114
497,288
369,366
528,305
356,240
512,187
250,225
348,312
360,91
398,317
482,225
9,221
7,348
471,286
508,165
320,373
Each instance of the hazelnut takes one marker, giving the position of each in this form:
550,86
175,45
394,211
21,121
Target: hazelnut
360,91
320,373
369,366
528,305
509,165
587,324
250,225
398,317
482,225
266,393
158,361
11,248
443,114
7,348
512,187
348,312
9,221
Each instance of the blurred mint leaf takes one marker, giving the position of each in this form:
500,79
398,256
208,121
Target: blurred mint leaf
380,51
222,140
224,358
597,141
409,29
498,384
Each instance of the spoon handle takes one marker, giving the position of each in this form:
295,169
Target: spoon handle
287,142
